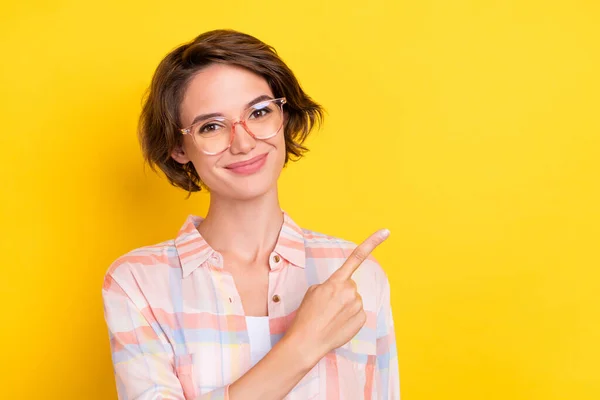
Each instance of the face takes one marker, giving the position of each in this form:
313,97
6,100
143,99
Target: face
227,90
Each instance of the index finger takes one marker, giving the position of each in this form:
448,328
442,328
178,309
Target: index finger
359,255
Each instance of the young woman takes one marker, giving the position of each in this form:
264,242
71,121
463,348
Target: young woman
243,304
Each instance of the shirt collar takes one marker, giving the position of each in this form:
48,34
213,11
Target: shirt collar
290,243
193,250
191,247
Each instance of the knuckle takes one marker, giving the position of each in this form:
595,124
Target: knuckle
362,317
357,307
342,296
350,286
329,288
360,254
359,299
349,294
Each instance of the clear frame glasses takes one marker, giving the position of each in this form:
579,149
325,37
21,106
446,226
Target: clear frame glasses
214,134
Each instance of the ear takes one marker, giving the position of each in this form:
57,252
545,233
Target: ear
178,154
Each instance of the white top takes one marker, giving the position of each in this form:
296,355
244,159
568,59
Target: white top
260,337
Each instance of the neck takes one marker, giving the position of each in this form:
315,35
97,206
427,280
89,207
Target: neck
247,228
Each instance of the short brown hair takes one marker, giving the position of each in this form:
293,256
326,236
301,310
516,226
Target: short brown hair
160,121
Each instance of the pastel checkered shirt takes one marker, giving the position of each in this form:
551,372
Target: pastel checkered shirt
178,330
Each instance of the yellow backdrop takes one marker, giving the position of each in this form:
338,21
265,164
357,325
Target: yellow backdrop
469,128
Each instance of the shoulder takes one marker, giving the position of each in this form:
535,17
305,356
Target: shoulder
327,253
320,245
142,265
320,242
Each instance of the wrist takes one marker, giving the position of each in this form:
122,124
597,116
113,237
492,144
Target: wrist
302,350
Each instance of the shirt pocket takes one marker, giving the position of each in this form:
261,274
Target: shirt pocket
201,370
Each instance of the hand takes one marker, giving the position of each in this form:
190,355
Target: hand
331,313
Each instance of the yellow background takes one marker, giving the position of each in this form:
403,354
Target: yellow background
469,128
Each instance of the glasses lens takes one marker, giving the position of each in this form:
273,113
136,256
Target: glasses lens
264,119
213,135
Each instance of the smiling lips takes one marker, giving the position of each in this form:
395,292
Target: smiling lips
249,166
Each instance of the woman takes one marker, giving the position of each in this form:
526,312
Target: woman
243,304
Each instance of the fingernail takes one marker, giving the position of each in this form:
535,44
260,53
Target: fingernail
385,233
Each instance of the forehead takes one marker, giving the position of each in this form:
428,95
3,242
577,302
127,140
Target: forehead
222,89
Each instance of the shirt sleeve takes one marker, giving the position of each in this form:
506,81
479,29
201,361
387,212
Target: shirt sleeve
143,360
387,358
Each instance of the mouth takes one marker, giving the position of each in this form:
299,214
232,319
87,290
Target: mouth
249,166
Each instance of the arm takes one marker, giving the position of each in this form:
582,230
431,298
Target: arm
142,358
276,369
145,369
387,358
331,313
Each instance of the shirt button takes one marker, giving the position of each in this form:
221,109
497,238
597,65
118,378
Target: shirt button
276,298
276,258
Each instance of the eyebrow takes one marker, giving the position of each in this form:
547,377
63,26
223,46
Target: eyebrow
203,117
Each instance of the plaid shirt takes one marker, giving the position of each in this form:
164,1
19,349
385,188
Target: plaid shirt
178,330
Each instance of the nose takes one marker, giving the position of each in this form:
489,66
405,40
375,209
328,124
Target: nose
243,141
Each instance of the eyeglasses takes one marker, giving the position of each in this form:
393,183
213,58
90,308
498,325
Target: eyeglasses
262,121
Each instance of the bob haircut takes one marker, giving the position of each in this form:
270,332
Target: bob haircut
159,124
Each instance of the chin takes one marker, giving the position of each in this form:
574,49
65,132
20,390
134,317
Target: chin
244,187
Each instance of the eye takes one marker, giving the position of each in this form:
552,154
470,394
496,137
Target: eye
209,128
260,113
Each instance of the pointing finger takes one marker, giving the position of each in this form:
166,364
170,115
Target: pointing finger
359,255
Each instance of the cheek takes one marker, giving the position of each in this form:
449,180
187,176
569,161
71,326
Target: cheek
281,144
204,165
